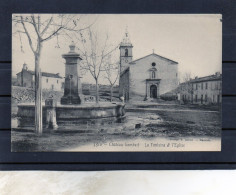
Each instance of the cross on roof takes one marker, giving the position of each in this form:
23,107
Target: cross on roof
126,31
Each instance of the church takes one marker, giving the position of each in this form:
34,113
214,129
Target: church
145,78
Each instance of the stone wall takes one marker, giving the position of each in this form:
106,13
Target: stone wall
23,94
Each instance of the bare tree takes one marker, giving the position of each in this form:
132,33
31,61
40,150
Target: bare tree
112,74
186,86
95,51
38,29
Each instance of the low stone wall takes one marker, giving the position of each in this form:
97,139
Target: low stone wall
25,95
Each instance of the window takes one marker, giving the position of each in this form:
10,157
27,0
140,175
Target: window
196,86
206,98
153,64
153,75
206,85
57,81
201,85
195,98
47,80
126,52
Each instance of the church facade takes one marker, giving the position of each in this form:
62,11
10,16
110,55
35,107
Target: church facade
147,77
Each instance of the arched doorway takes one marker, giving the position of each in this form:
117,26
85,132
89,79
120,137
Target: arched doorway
153,91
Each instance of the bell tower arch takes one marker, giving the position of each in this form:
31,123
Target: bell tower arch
126,55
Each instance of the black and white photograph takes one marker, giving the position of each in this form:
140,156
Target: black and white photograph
116,82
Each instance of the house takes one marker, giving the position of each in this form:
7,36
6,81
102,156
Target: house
202,90
50,81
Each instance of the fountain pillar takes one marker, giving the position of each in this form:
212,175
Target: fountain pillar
72,86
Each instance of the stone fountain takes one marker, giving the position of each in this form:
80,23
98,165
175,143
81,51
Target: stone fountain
72,86
71,110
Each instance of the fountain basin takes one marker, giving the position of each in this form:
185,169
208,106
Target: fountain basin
73,114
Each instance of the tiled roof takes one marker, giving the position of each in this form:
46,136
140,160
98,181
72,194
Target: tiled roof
45,74
206,78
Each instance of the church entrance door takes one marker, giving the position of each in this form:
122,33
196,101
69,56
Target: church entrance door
153,91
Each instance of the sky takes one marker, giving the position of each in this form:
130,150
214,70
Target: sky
194,41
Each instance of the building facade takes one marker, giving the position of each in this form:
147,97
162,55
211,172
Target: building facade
147,77
50,81
203,90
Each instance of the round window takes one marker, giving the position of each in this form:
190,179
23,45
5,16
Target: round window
153,64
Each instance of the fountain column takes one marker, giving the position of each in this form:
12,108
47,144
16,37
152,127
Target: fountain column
72,80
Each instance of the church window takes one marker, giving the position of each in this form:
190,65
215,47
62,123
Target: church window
153,64
153,75
126,52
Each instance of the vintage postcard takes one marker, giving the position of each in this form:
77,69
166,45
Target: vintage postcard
116,82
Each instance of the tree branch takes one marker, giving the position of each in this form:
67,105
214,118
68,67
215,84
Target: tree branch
46,27
54,33
28,36
35,27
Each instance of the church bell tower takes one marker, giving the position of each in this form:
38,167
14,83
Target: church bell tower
126,55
